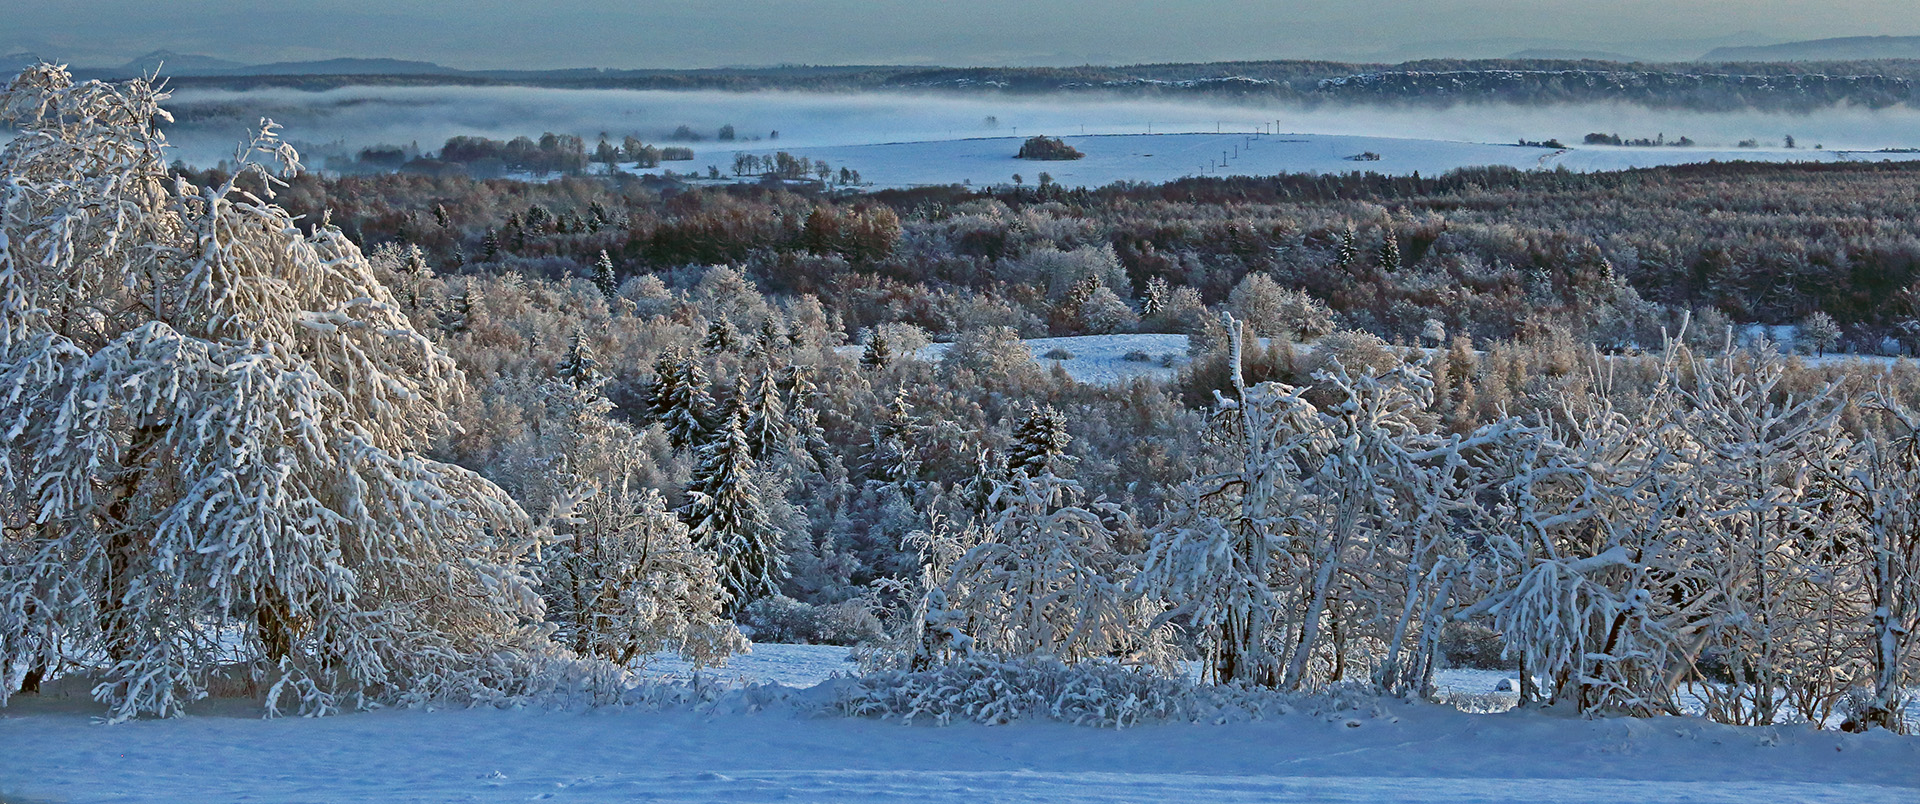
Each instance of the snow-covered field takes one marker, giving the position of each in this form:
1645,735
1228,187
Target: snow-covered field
775,744
1165,157
904,139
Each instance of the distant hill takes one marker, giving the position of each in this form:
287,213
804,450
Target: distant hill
1572,55
15,62
347,67
1849,48
189,65
179,64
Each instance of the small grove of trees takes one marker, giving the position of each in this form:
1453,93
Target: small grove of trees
1048,149
552,153
1722,544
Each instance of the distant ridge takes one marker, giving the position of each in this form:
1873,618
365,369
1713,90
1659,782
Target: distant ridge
179,64
1848,48
184,65
1572,55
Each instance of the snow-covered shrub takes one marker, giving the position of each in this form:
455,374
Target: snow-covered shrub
1100,694
781,619
979,690
1058,353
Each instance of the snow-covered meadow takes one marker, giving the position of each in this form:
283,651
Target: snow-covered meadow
783,741
899,139
1166,157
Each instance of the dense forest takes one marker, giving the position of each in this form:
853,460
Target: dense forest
405,438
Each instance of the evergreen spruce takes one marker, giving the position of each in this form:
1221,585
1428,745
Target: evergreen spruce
1390,251
722,336
490,246
459,308
1039,443
604,277
578,367
1349,247
768,429
894,458
878,354
679,399
726,518
1155,301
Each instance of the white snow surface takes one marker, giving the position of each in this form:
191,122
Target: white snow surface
773,743
1094,359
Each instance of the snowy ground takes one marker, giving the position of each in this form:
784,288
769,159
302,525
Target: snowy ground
1165,157
770,743
1094,359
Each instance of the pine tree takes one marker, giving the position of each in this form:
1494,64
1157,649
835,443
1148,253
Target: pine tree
768,428
454,319
878,354
809,438
727,518
578,367
1039,443
771,339
893,456
1349,247
1390,251
604,277
679,399
722,336
490,246
1155,301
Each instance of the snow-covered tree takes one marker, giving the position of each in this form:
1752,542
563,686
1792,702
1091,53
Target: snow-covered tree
624,579
605,278
1357,502
579,367
678,398
769,430
1819,332
729,520
1878,486
893,454
877,354
214,425
1046,578
1039,442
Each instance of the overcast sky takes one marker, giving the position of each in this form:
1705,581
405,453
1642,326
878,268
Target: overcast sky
479,34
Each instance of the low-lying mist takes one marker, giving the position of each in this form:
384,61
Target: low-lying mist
341,121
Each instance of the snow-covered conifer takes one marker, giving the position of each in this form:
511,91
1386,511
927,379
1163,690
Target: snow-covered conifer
877,354
1039,442
579,367
893,454
769,430
729,520
679,398
605,278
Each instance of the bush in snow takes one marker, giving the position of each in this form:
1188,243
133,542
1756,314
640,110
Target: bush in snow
1101,694
781,619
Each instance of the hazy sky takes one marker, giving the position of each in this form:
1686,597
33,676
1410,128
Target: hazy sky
478,34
